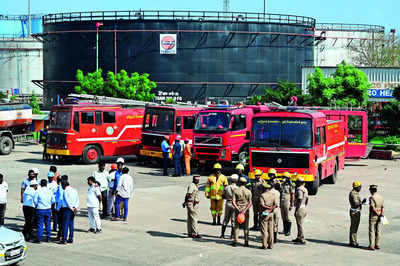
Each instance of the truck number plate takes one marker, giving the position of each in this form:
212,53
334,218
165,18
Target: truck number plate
15,252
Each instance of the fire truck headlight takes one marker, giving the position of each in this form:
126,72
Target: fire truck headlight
223,154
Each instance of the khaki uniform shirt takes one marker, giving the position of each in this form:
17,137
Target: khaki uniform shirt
301,197
228,192
268,198
277,195
242,197
287,191
355,201
193,192
375,201
256,190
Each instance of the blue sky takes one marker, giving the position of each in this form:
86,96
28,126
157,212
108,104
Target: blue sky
382,12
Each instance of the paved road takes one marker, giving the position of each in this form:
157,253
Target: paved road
155,232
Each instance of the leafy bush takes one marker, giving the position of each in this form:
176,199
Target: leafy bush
122,85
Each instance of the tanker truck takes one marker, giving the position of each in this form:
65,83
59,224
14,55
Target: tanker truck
15,120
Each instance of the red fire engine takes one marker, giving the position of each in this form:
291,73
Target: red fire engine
166,120
222,133
91,131
299,141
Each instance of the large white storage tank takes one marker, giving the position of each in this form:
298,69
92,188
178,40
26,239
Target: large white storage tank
21,56
334,41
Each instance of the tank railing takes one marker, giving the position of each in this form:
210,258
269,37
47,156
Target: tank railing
350,27
19,17
179,15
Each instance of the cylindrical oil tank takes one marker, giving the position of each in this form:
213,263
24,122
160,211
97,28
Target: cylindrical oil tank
218,54
21,61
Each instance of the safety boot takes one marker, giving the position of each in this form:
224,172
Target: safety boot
275,237
289,227
214,221
219,220
223,228
255,220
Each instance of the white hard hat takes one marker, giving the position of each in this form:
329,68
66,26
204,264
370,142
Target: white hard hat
234,177
36,170
33,182
120,160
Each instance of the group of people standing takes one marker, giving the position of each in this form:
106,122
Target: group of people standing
240,195
54,199
270,199
181,155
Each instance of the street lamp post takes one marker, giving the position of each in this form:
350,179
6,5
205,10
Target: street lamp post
98,25
393,32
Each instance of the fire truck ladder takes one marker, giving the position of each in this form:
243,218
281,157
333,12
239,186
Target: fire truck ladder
111,100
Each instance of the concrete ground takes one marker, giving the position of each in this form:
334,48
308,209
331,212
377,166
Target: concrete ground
155,233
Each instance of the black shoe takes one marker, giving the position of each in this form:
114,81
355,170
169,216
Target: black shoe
233,244
99,231
91,230
37,242
197,236
62,242
262,247
246,245
70,241
354,245
296,240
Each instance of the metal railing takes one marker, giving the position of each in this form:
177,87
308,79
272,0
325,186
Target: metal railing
19,17
179,16
350,27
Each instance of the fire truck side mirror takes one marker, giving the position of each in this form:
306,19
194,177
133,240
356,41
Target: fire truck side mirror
247,135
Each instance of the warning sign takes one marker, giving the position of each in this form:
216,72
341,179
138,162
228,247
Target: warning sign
167,43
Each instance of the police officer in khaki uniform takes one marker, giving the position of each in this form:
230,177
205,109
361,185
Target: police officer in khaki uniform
192,200
376,212
268,204
256,191
301,201
276,186
229,209
287,202
241,200
355,212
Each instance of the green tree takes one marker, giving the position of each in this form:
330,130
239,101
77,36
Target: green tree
3,95
34,103
281,94
347,86
121,85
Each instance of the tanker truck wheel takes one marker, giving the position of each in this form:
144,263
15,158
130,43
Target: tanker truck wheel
6,145
91,154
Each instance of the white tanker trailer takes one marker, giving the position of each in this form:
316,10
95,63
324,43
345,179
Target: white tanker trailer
15,120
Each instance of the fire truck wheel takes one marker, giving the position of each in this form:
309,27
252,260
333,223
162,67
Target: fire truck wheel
332,179
6,145
313,186
91,154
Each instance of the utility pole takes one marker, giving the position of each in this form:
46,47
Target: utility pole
29,18
226,5
265,6
98,24
393,32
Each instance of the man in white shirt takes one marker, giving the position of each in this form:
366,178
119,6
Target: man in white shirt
3,198
28,207
93,202
111,196
124,192
101,176
52,186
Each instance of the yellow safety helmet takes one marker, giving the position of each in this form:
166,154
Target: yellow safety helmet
286,174
257,172
217,166
240,167
356,184
272,171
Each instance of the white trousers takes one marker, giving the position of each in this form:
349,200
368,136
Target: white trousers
110,201
94,218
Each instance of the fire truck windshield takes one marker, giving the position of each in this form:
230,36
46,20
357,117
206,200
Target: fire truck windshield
281,132
60,119
213,121
157,119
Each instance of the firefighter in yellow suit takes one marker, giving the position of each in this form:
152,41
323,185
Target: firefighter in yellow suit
215,186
